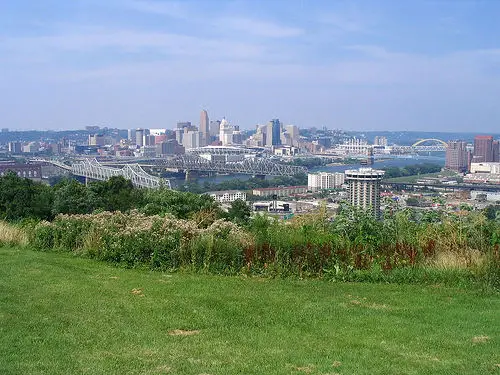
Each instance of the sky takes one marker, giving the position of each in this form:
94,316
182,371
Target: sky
353,65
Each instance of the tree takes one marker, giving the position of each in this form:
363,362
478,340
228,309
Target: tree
115,194
72,197
239,212
182,205
413,202
23,198
492,212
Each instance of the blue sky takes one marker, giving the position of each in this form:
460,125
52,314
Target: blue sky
360,65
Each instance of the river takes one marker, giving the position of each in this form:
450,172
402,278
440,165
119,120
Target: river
379,164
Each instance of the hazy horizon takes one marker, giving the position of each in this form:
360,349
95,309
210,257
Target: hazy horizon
352,65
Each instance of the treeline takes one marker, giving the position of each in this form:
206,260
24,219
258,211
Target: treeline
238,184
311,162
411,170
21,198
319,162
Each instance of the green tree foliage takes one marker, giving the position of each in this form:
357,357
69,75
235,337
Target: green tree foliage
411,170
180,204
252,183
115,194
239,212
492,212
72,197
23,198
411,201
311,162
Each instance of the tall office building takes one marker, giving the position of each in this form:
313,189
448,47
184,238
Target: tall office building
364,188
179,131
15,147
214,129
237,137
96,140
496,151
293,130
273,133
204,128
139,137
131,136
183,124
148,140
456,156
259,138
380,140
192,139
483,148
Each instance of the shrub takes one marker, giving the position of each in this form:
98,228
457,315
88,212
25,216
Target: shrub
355,247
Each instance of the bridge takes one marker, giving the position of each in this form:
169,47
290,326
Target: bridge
91,168
226,150
437,146
252,165
255,166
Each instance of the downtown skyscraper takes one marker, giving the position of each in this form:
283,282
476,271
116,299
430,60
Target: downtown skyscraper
273,133
483,149
204,128
456,156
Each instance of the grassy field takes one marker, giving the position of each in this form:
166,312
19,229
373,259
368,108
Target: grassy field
65,315
414,179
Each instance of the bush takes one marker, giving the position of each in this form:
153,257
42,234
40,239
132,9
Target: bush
354,247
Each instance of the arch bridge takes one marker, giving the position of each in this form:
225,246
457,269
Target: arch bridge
437,146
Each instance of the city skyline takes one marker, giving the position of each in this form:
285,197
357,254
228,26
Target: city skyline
350,65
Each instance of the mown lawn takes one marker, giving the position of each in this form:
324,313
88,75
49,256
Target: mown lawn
65,315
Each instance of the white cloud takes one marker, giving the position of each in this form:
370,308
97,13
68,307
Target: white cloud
108,42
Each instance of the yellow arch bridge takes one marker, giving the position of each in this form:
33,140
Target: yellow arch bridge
437,145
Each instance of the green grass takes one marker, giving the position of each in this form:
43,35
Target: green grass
413,179
65,315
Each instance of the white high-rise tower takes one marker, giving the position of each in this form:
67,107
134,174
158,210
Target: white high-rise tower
364,188
225,133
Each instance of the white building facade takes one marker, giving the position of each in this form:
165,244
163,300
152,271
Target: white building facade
226,133
228,196
325,180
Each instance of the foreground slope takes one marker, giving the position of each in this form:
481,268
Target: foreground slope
61,315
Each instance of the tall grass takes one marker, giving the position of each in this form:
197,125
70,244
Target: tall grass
352,247
11,235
